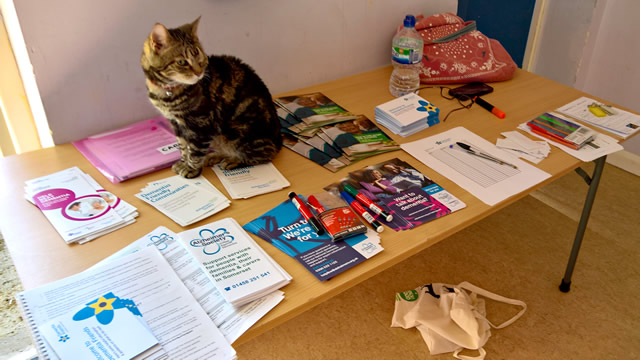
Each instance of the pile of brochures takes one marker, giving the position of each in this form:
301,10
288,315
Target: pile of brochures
77,206
238,267
185,201
232,321
324,132
246,182
407,114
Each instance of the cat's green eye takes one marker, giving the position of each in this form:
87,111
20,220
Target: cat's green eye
182,62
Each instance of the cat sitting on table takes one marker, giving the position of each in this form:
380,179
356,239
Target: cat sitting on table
219,108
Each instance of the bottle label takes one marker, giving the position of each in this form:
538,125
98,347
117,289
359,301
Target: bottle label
405,55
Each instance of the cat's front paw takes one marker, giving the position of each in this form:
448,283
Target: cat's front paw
182,169
228,164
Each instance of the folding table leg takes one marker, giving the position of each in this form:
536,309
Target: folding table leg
593,183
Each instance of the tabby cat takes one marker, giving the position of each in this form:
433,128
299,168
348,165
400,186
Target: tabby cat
219,108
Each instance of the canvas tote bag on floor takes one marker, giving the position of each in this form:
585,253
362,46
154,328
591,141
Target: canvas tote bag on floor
450,317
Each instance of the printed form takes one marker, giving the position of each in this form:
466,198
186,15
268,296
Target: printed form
489,181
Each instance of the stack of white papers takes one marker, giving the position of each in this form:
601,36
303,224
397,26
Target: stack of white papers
407,114
185,201
523,147
240,269
243,183
77,206
232,321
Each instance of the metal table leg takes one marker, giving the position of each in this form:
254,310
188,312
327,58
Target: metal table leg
593,183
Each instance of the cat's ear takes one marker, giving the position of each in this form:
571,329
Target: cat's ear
159,38
194,27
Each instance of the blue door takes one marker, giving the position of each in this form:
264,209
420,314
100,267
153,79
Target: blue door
507,21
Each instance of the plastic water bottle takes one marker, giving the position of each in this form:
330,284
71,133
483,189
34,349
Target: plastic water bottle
406,52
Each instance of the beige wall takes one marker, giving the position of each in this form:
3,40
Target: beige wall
610,65
19,134
593,46
85,53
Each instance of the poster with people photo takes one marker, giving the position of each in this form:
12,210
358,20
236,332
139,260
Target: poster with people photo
300,113
359,138
402,191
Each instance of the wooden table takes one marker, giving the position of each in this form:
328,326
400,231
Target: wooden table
41,256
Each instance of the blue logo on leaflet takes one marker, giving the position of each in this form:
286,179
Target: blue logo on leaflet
63,338
160,241
212,241
426,106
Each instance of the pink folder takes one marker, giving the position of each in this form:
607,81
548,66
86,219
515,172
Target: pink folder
131,151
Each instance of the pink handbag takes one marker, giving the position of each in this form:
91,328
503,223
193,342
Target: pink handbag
455,52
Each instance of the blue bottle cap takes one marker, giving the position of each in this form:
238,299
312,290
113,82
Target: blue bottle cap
409,21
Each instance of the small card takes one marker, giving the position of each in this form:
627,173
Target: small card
108,327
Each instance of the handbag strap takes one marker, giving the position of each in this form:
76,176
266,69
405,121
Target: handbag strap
469,27
468,286
481,355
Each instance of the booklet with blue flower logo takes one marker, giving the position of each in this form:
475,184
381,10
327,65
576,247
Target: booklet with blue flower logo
241,270
108,327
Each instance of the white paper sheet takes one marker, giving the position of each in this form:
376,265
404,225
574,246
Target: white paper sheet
488,181
178,322
623,123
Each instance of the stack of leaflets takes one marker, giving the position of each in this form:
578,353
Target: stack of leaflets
131,151
317,128
286,229
108,327
246,182
401,191
407,114
232,321
77,207
561,130
240,269
185,201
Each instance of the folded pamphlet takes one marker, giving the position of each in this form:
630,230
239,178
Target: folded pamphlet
77,206
185,201
107,327
401,191
249,181
240,269
286,229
